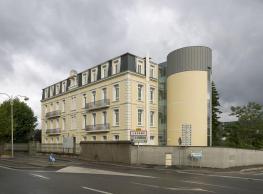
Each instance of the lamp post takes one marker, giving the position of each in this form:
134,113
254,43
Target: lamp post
11,99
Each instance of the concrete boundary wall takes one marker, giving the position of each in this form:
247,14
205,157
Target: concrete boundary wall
212,157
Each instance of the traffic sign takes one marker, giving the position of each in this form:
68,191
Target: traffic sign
139,136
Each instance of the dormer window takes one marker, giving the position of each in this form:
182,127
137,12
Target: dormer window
116,66
152,74
64,85
84,78
140,66
57,88
94,75
46,93
51,91
104,71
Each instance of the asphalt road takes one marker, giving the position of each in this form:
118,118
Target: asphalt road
107,179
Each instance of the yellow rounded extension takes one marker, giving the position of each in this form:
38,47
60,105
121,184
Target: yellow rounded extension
187,98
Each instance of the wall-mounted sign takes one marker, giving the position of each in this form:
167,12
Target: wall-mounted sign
138,136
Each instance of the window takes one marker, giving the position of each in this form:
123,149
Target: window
104,138
84,100
63,123
152,71
73,82
84,121
116,92
94,96
140,67
51,91
46,93
151,138
104,71
140,94
104,93
84,138
116,117
64,85
94,118
63,105
57,88
57,123
104,117
51,124
57,106
57,140
151,118
140,111
116,66
84,78
73,103
94,138
73,122
93,75
45,109
51,107
116,137
46,125
151,95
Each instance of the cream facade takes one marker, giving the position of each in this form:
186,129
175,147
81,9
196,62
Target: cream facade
103,103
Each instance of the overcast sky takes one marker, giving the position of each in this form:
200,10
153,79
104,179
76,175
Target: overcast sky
41,41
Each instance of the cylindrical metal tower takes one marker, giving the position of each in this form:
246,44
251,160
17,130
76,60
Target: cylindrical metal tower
188,96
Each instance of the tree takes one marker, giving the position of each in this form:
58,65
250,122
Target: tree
216,137
24,121
247,132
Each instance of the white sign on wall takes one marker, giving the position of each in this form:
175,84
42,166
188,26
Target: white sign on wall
139,136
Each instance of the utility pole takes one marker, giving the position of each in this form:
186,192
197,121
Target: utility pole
11,100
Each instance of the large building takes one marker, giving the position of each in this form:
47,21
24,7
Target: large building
103,103
170,100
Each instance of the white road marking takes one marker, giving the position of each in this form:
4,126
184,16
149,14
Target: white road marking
221,176
207,184
74,169
174,188
40,176
96,190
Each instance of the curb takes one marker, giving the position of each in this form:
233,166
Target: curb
251,169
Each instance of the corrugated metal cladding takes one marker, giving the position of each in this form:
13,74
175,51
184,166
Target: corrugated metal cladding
194,58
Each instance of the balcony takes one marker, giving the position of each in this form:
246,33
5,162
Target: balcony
97,104
55,131
98,128
53,114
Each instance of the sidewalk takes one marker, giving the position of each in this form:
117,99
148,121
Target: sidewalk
25,161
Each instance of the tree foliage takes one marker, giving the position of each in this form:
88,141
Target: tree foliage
24,121
215,116
247,132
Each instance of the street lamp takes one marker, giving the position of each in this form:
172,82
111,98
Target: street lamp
11,99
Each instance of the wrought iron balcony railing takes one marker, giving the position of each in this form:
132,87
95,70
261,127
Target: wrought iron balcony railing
97,127
53,114
55,131
98,104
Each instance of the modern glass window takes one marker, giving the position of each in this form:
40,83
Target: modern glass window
140,112
151,95
116,92
116,117
94,118
151,118
140,92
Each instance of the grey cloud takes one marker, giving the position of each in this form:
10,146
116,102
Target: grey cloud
64,35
